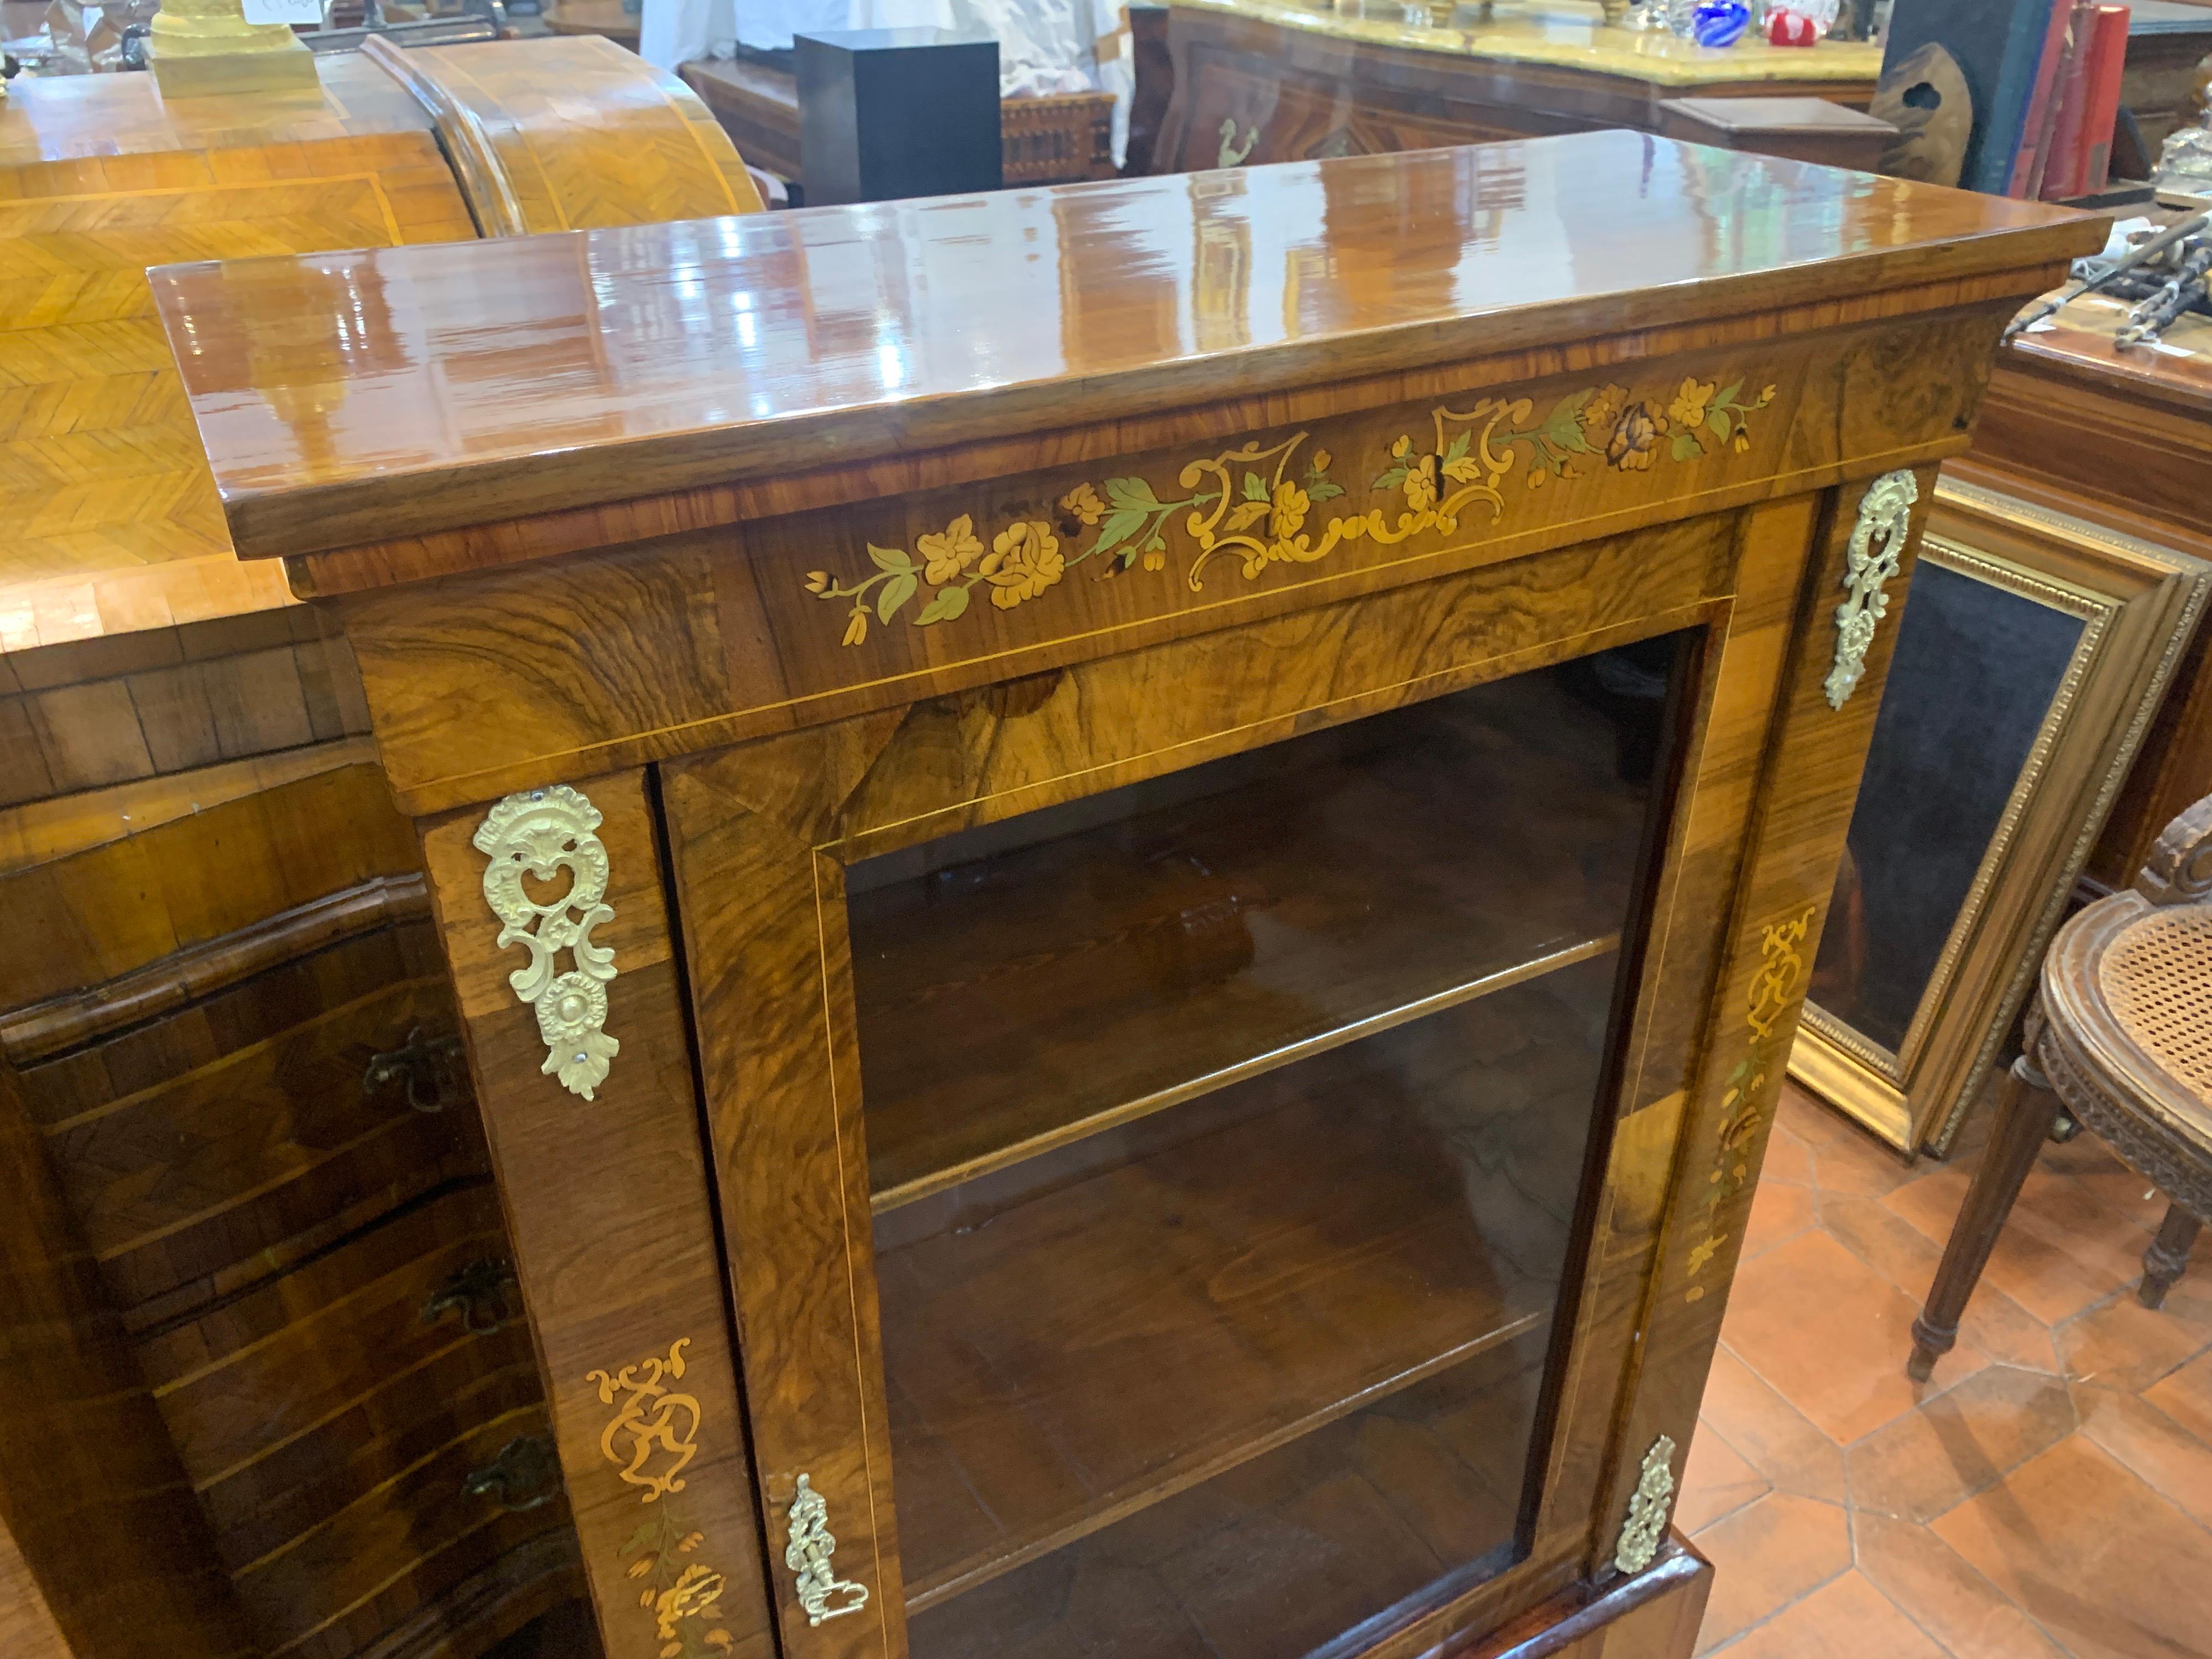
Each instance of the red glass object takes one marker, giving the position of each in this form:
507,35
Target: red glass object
1790,28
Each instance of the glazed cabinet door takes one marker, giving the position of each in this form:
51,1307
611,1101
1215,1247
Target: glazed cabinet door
1166,1111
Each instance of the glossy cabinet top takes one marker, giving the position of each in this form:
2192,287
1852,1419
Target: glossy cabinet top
459,384
1566,36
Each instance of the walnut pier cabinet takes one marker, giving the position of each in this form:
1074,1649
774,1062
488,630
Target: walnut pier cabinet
1129,869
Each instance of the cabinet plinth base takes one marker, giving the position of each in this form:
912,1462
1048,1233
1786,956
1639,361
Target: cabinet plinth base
1654,1615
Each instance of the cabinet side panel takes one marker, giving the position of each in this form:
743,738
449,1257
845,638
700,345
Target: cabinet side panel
607,1206
1807,781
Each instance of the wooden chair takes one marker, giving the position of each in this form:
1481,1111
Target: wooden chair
2120,1041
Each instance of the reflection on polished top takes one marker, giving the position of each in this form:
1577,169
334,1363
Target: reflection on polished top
58,118
1569,35
445,385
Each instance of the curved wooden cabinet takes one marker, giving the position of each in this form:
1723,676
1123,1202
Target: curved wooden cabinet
571,132
1195,815
235,1080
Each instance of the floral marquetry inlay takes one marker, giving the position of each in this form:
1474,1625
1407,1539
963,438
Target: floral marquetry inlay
1775,991
1263,506
651,1438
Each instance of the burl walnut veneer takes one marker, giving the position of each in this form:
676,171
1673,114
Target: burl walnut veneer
1129,868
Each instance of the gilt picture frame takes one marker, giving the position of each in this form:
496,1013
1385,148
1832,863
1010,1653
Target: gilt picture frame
2032,658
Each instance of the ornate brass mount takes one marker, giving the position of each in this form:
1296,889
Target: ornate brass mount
1877,549
543,833
1648,1510
821,1592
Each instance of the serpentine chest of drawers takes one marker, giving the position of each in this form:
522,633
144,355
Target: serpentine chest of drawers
1127,869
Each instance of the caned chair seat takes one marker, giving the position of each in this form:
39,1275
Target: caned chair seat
2120,1041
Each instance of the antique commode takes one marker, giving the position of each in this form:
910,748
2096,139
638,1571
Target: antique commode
1129,868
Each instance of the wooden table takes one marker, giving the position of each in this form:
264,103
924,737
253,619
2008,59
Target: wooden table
1259,80
1136,972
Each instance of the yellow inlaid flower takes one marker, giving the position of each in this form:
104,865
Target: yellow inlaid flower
856,626
1155,558
1603,408
1083,502
1320,460
951,551
1421,483
1024,561
817,581
1688,408
691,1595
1290,511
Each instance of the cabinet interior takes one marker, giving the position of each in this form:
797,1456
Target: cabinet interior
1226,1134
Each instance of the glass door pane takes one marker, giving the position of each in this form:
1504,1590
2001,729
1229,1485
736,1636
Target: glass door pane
1226,1136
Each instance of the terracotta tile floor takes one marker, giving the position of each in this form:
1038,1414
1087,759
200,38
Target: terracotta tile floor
2048,1493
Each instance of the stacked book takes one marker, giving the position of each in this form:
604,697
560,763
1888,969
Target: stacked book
2044,79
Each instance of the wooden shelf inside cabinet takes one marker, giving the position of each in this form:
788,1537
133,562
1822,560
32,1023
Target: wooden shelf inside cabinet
1085,1333
1029,983
1396,1507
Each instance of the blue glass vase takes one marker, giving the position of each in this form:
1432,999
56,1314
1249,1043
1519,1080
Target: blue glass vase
1719,22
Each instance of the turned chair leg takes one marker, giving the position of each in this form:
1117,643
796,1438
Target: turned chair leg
2167,1255
2026,1110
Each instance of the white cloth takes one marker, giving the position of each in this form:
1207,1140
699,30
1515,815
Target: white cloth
1045,46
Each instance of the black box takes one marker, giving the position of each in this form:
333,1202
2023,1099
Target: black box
890,113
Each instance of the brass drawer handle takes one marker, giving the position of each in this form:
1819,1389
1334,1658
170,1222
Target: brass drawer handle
525,1473
809,1554
428,1066
483,1293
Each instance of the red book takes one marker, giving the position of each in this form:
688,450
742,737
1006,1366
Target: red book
2108,55
2063,163
2042,103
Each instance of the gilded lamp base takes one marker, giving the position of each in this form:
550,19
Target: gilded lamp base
206,48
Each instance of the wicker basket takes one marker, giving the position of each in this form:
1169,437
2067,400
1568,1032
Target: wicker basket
1057,140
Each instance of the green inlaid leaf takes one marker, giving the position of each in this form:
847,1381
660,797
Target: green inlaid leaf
1131,493
1718,421
1687,447
944,606
895,593
1255,488
892,559
1119,526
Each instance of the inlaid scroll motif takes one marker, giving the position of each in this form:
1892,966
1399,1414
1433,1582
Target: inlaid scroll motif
654,1432
822,1593
1261,506
1648,1509
650,1439
548,833
1877,548
1775,988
